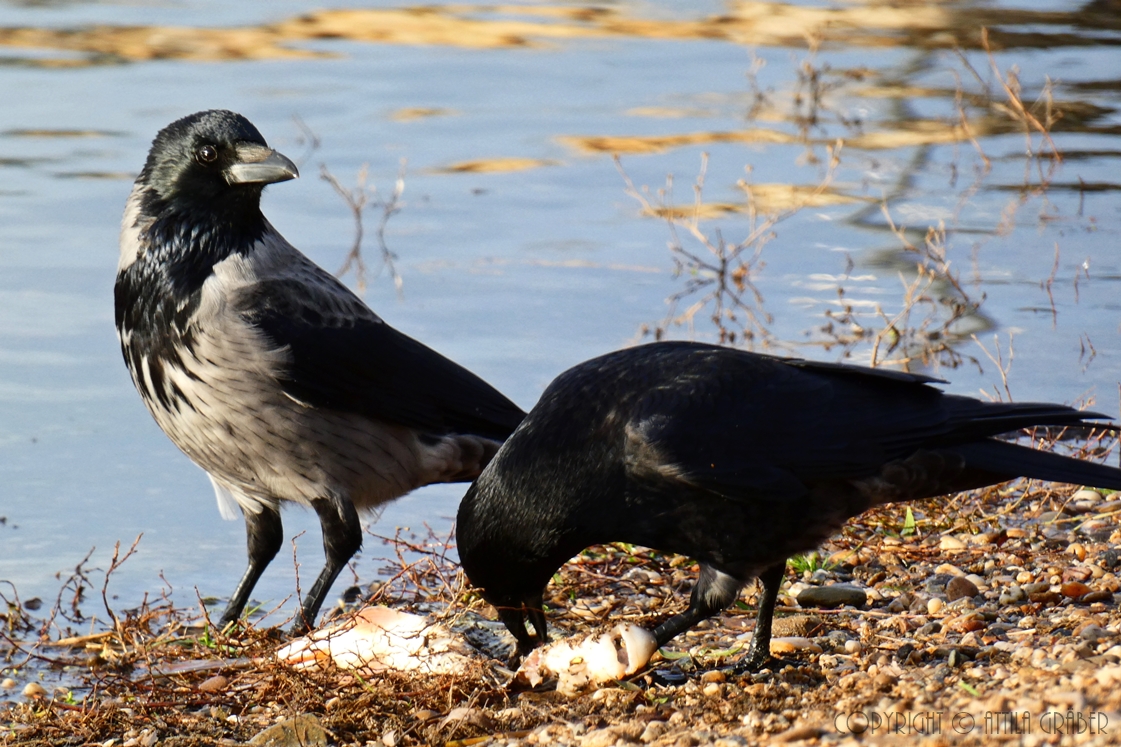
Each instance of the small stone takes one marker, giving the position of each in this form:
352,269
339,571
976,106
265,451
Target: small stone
298,731
853,647
733,740
884,682
1075,590
1110,558
1095,597
1092,632
1017,533
8,684
796,625
836,595
798,734
1078,573
950,543
931,628
1036,588
713,690
1086,495
792,645
961,587
215,684
600,738
34,690
935,605
653,730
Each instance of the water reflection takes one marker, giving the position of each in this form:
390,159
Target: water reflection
869,25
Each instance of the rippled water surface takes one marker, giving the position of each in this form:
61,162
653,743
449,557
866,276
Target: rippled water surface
520,250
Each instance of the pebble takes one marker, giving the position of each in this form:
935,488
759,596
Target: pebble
931,628
950,543
798,734
215,684
836,595
34,690
796,625
714,675
793,645
1110,558
935,605
1092,632
853,647
961,587
1012,595
8,684
1075,590
1087,495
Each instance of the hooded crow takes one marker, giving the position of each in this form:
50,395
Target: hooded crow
734,459
267,371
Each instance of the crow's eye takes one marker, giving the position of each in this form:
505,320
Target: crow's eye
207,154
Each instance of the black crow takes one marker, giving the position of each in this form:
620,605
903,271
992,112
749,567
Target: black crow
735,459
266,370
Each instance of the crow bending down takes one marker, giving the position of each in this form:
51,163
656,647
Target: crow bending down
734,459
266,370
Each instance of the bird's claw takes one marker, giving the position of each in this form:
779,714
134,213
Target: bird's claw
755,662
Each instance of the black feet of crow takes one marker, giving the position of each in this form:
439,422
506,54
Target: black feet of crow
753,662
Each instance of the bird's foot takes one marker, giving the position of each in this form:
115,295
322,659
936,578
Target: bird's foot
299,627
755,661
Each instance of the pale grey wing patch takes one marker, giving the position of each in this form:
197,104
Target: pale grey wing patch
644,460
457,458
227,503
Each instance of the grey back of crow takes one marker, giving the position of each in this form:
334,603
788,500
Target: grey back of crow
734,459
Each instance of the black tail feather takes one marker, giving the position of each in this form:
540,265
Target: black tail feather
1011,459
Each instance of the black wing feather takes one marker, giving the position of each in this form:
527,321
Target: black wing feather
733,428
357,363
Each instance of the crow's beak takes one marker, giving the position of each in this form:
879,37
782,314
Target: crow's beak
257,164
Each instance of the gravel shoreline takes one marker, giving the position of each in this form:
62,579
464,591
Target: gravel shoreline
989,617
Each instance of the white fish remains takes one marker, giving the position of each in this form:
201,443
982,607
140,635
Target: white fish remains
582,662
378,639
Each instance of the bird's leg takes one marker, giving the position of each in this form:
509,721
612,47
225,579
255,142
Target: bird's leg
514,620
759,653
713,592
537,618
342,536
264,535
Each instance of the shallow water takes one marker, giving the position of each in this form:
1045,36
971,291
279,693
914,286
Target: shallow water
520,251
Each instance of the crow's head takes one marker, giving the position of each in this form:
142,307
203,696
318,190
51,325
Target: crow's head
500,553
214,161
